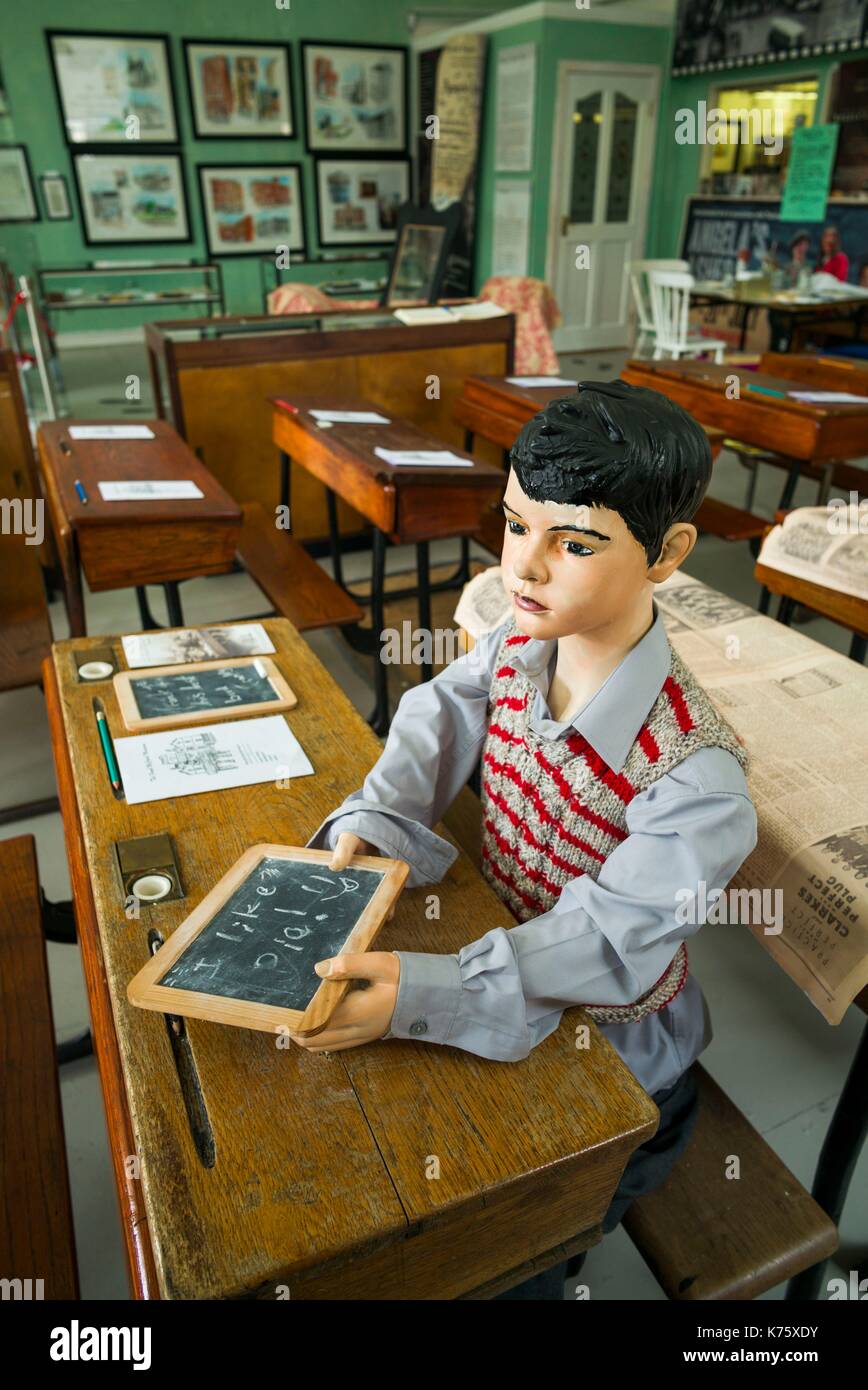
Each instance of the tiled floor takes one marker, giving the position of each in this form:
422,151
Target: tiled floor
772,1052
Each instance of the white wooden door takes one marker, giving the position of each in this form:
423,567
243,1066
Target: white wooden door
603,140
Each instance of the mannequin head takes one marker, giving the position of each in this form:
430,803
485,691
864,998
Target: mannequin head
598,506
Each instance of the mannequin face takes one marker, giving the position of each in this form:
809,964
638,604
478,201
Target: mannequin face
582,565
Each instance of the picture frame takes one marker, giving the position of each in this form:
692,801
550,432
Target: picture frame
55,197
240,90
129,703
125,195
146,991
358,200
249,209
424,239
17,198
355,97
105,79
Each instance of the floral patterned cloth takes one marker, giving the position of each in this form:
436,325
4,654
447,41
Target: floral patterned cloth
308,299
536,311
532,302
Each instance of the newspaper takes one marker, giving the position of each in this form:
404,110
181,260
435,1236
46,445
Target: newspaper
825,545
800,710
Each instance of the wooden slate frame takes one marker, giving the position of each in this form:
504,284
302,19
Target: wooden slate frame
124,683
144,990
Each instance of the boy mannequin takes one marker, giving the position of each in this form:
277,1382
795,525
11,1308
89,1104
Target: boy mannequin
609,782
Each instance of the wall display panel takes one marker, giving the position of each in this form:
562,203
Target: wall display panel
355,98
114,88
133,197
239,90
249,209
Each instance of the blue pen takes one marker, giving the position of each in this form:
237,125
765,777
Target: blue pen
82,495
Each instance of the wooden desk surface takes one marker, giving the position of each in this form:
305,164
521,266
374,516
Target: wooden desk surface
811,431
165,458
408,503
122,544
788,301
321,1166
497,408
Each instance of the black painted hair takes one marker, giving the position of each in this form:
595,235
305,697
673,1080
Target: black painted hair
618,446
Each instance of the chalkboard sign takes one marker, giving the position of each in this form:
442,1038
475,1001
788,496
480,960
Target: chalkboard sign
245,956
201,691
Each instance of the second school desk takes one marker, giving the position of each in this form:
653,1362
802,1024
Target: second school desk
119,545
404,504
316,1171
495,408
805,433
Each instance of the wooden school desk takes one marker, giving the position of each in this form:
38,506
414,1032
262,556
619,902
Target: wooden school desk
119,545
210,378
403,504
815,434
496,409
315,1172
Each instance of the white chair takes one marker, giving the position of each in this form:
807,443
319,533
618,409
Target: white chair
638,272
670,310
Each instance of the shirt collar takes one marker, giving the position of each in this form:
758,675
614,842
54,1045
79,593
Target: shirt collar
612,718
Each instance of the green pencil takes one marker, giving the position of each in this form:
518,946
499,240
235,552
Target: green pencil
108,751
767,391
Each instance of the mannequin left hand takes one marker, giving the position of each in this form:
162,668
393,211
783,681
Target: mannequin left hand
363,1015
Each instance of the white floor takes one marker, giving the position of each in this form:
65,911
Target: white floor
772,1051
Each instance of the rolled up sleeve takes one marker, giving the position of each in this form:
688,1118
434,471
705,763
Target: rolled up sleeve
604,942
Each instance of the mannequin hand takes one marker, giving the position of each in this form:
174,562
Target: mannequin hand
349,844
364,1014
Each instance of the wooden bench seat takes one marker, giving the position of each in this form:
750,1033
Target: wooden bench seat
36,1231
296,586
706,1236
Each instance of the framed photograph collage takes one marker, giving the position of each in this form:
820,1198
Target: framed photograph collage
117,101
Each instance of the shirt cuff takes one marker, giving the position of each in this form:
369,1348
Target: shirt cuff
395,836
429,993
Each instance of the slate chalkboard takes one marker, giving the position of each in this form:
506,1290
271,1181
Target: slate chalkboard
206,690
182,693
262,944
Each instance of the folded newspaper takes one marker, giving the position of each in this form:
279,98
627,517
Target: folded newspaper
825,545
800,710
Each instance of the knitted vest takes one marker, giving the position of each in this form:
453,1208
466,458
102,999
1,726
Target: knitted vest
553,810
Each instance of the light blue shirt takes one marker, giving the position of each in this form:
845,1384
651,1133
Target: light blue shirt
605,941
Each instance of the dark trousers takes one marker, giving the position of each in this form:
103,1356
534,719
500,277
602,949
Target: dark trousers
647,1168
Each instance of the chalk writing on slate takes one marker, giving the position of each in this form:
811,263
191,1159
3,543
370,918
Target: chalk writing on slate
158,696
264,941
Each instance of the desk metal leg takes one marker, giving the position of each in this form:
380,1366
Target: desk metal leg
334,537
173,606
284,479
173,603
786,608
839,1155
858,648
790,484
764,600
424,581
379,720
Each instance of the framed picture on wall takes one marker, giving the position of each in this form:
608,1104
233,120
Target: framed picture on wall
17,199
55,197
114,88
251,208
134,196
355,98
239,90
358,199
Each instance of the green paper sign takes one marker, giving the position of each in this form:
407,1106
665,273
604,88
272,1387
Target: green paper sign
809,173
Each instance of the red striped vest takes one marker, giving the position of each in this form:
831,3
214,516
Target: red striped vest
553,810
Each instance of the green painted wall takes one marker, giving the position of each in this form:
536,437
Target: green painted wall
558,40
35,120
678,166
